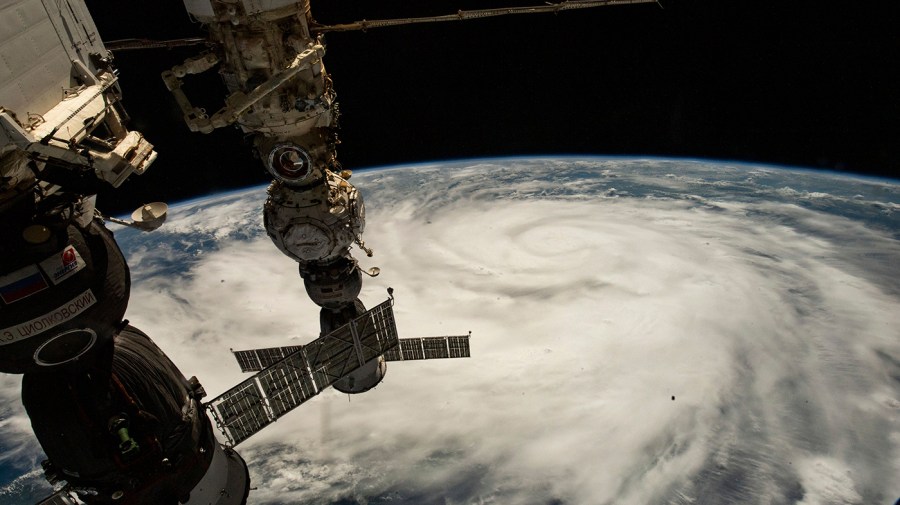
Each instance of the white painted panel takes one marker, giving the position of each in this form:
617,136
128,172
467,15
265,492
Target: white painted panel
255,6
34,63
38,41
200,9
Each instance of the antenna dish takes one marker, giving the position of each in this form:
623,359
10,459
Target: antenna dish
150,216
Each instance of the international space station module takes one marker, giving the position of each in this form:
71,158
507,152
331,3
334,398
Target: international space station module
118,421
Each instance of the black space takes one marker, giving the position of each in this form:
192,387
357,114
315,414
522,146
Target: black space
798,83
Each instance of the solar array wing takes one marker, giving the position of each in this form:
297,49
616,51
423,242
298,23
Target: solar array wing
241,411
456,346
255,360
394,354
61,497
459,346
301,372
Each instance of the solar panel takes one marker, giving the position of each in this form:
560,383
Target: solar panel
287,384
242,410
393,354
333,356
301,372
459,346
412,348
435,348
409,349
430,348
255,360
248,361
377,334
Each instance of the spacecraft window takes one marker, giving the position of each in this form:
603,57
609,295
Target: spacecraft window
289,162
65,347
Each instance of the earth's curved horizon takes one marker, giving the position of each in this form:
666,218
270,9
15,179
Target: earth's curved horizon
645,331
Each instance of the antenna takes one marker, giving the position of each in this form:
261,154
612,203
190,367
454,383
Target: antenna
147,217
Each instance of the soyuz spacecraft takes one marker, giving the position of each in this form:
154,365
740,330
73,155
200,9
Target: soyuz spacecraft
117,420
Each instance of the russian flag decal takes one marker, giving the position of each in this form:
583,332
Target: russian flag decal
22,283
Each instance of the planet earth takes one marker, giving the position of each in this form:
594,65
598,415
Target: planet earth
644,331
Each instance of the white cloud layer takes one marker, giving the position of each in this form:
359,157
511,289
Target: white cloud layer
673,341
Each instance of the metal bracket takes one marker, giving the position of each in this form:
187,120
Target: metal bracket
238,102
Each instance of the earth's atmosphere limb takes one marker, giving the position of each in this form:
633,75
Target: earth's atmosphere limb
645,331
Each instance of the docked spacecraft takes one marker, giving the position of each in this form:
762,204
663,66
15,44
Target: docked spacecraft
280,94
117,420
119,423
